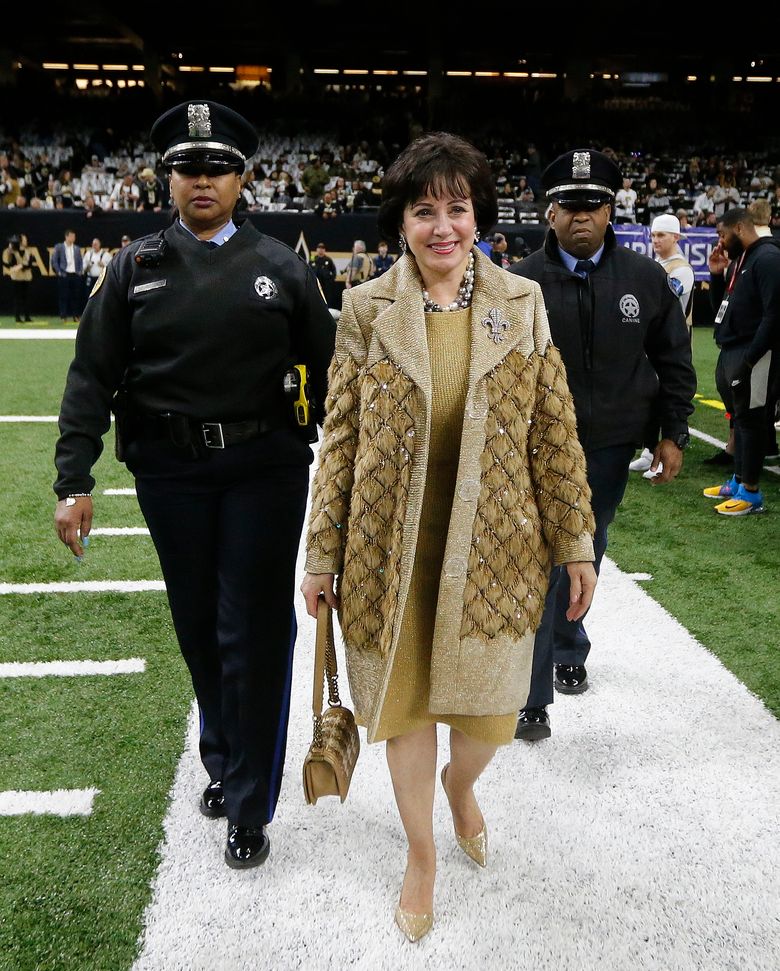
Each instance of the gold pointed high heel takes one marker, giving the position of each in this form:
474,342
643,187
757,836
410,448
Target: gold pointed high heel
414,926
475,847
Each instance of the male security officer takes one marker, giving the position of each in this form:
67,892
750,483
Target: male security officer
198,327
623,339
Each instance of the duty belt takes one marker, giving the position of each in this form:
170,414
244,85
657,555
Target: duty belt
183,431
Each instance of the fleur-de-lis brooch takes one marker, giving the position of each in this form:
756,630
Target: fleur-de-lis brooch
496,324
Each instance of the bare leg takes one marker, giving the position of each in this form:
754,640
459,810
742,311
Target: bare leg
412,762
468,760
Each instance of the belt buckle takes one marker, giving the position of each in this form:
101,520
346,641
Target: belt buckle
213,436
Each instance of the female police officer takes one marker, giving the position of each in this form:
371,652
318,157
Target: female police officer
188,335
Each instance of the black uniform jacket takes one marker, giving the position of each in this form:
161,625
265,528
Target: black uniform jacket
208,334
624,342
752,319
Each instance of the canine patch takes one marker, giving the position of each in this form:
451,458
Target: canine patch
98,282
266,288
629,307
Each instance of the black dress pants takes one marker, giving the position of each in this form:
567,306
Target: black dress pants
227,527
747,402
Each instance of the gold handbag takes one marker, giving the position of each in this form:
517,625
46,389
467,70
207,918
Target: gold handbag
330,761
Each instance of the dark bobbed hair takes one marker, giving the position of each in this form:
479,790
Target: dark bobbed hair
440,164
736,215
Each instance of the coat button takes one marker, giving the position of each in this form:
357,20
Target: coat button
455,566
469,489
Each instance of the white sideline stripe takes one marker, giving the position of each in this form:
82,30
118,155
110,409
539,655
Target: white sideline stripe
59,802
70,669
84,586
707,438
119,492
119,531
8,419
19,334
639,576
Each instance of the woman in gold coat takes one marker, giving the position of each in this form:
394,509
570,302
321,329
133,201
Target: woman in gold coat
450,481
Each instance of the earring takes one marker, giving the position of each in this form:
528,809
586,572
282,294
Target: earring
477,236
402,243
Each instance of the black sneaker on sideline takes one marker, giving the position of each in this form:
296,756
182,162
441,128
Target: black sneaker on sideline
721,457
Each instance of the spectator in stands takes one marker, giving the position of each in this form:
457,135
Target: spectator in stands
382,261
506,194
359,198
313,181
776,207
68,265
124,241
657,201
625,203
726,196
682,216
704,205
65,190
498,251
151,193
745,294
17,262
125,194
761,213
328,207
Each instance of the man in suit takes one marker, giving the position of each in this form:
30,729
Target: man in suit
68,265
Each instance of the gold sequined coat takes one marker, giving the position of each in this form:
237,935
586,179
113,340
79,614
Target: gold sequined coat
521,504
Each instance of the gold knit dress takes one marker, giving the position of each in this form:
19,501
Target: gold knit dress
406,703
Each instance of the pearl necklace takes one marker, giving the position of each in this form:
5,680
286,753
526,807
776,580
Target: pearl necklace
463,299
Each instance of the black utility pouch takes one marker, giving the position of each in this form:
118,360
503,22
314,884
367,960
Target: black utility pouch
119,408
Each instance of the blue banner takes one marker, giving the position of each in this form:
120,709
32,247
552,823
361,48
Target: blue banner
696,245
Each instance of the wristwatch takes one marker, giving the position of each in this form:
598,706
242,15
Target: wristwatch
683,440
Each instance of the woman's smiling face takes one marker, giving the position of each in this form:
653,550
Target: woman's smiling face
439,232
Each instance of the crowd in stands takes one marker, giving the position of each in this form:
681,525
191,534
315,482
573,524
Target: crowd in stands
312,172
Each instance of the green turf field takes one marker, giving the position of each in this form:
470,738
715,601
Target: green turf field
73,889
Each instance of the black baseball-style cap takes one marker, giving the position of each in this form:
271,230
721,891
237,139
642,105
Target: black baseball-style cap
582,179
198,133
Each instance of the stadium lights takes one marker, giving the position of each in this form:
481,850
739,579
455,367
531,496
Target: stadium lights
326,70
54,66
115,67
736,79
458,74
82,83
355,70
416,73
691,77
487,74
386,73
758,79
191,69
85,67
221,70
138,67
543,74
516,74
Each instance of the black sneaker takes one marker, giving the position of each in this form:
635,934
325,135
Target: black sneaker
721,457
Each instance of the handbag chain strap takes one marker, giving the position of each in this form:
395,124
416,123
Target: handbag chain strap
325,667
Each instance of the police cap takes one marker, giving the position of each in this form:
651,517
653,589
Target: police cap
204,132
582,178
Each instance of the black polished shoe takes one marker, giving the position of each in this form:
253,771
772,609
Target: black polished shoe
212,802
571,679
533,724
721,457
246,846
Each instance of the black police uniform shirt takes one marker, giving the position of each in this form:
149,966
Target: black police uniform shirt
208,334
623,339
752,318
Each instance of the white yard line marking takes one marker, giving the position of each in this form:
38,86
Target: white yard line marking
119,492
84,586
639,577
119,531
718,444
59,802
70,669
13,419
19,334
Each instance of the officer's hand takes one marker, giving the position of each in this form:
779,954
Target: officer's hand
718,260
315,584
70,521
582,584
670,456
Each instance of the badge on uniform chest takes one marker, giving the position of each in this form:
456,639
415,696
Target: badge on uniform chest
265,288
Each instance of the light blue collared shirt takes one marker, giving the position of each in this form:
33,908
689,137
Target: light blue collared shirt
222,236
571,261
